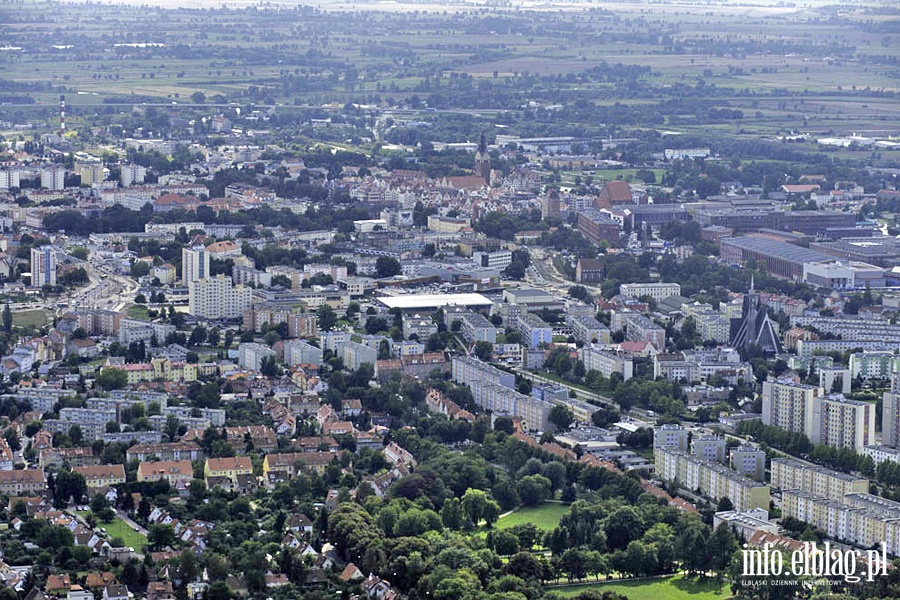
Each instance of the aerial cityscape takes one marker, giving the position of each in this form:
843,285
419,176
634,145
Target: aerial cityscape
450,299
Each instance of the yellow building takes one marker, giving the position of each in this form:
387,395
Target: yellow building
158,369
172,471
292,462
102,475
229,467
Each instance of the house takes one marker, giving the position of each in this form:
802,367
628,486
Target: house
337,428
375,587
229,467
76,592
57,585
351,573
97,476
397,455
96,581
299,523
160,590
115,592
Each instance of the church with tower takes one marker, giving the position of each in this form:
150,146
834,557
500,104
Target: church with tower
483,162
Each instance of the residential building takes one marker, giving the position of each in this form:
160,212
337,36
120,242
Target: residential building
638,327
792,474
251,355
750,461
709,447
27,482
588,330
216,298
607,362
534,330
881,453
843,423
670,436
102,475
466,370
712,479
874,364
44,263
194,264
503,401
229,467
746,523
174,451
173,471
356,354
298,352
657,291
789,405
890,415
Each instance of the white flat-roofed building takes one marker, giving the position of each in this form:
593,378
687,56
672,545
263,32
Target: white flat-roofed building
434,301
657,291
746,523
880,454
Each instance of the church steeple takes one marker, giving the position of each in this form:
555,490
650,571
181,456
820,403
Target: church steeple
483,161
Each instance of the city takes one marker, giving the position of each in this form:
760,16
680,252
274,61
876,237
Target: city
462,301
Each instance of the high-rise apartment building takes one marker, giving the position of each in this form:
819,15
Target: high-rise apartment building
43,266
194,264
216,298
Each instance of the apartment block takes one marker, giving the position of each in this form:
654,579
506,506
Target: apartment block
298,352
874,364
251,355
789,405
709,447
638,328
890,415
712,479
175,451
467,370
356,354
750,461
194,264
534,330
44,263
216,298
588,330
501,400
173,471
657,291
97,476
843,423
670,436
607,362
792,474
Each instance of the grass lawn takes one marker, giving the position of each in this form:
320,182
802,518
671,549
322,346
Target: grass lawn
31,318
546,516
137,311
120,529
670,588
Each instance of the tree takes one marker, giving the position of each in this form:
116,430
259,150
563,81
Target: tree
483,350
473,504
534,489
112,379
561,417
159,536
386,266
69,486
7,320
327,318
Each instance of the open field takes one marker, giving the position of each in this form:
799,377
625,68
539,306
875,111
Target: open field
31,318
120,529
671,588
546,516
